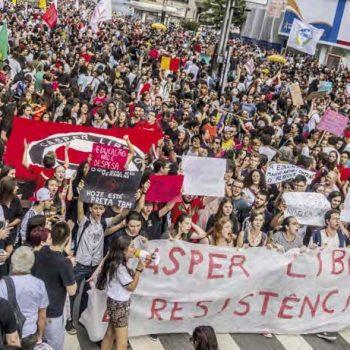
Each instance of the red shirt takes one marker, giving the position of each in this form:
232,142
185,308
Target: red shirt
86,57
192,210
344,172
41,174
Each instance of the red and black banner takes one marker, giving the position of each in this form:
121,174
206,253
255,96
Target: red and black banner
45,137
111,187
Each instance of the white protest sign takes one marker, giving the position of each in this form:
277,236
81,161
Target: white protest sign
249,66
347,89
252,290
308,207
345,213
278,172
204,176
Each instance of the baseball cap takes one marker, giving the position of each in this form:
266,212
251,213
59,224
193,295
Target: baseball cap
43,194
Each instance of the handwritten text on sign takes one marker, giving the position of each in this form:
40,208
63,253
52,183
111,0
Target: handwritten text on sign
308,207
111,187
279,172
253,290
333,122
109,157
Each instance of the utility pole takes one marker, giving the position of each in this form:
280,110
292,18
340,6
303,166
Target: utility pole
224,35
162,19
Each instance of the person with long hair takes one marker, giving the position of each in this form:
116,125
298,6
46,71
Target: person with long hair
38,238
223,235
119,282
253,184
253,236
204,338
122,121
333,160
186,230
59,206
289,237
111,115
11,213
225,210
8,170
335,198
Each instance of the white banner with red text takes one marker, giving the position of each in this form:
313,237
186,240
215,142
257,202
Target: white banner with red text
251,290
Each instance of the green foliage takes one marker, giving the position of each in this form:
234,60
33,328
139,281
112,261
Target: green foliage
190,25
214,11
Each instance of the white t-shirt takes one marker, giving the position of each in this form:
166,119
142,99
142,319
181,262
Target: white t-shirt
116,286
329,242
269,152
314,120
31,296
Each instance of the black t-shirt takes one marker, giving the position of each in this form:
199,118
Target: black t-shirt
122,232
154,226
11,213
57,273
8,323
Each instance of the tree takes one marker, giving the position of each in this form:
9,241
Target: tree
190,25
214,11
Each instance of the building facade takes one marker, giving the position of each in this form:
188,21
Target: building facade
171,10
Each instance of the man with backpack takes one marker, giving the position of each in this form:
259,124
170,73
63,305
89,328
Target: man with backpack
89,247
56,271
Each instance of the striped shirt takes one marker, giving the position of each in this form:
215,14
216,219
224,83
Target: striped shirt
90,249
24,224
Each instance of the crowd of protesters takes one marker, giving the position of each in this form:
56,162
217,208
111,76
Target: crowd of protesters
113,79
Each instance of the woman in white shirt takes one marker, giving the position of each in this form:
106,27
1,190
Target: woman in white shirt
119,282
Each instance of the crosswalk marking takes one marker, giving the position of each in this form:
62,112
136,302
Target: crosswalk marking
229,341
293,342
145,343
226,342
345,333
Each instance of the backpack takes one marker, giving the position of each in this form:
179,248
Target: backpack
86,225
11,292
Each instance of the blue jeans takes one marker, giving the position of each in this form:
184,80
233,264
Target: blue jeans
81,273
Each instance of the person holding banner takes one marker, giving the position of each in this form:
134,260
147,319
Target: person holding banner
119,282
331,236
289,237
186,230
335,198
89,246
222,234
253,236
226,211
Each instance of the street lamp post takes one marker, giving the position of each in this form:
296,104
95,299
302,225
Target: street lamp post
162,19
224,35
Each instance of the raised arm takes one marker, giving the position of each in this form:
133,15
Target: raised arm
80,209
131,151
66,156
240,240
165,210
25,162
198,233
70,193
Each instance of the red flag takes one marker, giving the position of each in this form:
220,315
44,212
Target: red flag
44,137
174,64
51,16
